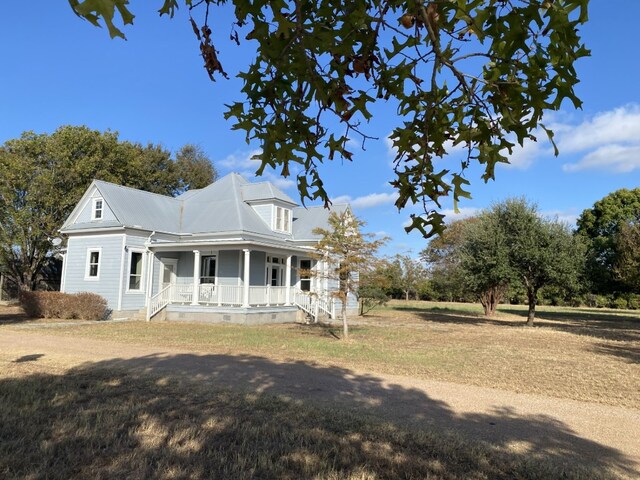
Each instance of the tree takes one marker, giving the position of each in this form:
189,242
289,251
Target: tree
599,226
411,273
193,168
474,76
484,260
540,251
42,177
348,253
374,284
443,257
627,266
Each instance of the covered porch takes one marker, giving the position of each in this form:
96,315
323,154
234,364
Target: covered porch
220,278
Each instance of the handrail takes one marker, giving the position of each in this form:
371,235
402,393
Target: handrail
159,301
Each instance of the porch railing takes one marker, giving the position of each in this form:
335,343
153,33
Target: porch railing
159,301
233,296
229,295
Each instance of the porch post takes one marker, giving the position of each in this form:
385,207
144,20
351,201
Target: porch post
287,280
149,287
247,264
196,277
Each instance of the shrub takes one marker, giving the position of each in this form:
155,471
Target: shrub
633,300
619,302
83,306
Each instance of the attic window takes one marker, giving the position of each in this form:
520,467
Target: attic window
96,213
283,220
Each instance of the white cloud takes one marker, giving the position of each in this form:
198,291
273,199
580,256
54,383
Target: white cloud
621,125
611,158
566,216
367,201
522,157
465,212
242,163
610,141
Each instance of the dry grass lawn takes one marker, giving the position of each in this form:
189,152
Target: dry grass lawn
580,354
98,422
93,423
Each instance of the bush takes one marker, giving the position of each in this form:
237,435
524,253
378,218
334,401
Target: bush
82,306
633,300
619,302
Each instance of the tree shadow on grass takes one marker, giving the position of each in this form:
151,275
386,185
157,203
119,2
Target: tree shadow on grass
630,353
13,315
592,323
164,416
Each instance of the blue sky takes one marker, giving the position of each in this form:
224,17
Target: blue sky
57,70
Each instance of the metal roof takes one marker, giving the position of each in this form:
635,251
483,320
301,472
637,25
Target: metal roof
222,207
306,220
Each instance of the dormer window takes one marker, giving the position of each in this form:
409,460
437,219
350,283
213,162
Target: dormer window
96,212
283,220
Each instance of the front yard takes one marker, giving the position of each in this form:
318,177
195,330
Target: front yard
580,354
59,419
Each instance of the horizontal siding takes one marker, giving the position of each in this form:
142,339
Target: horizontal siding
85,213
257,268
134,300
109,276
228,262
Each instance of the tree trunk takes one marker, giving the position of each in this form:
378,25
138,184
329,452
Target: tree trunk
532,295
345,326
490,299
406,295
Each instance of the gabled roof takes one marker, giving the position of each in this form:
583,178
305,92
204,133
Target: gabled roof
222,207
137,208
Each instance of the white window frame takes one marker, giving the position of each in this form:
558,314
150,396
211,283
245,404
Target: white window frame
285,223
202,262
310,278
142,274
279,264
91,250
94,208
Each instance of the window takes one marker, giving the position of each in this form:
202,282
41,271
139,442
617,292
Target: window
96,213
305,275
283,219
208,269
275,271
93,264
135,270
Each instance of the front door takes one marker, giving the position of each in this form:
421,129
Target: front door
168,272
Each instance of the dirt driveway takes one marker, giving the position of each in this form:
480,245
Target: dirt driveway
545,427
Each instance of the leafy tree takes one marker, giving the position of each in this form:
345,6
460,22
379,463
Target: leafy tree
349,253
627,266
443,258
42,177
374,285
540,251
474,76
411,273
600,226
193,169
485,260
